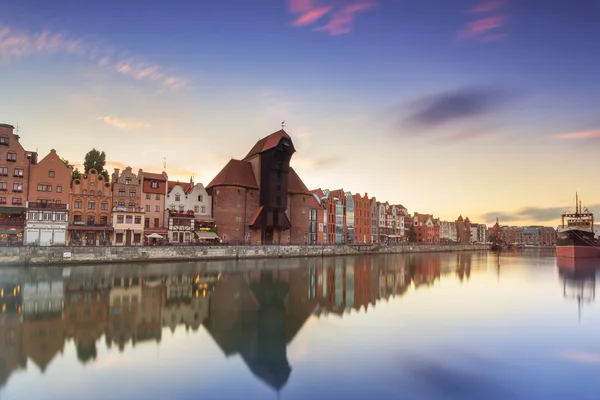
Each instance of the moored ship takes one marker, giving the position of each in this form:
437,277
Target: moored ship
576,237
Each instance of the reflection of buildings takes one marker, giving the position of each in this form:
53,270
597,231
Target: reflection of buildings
256,315
578,277
11,358
187,301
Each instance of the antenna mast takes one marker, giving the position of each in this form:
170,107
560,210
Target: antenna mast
576,203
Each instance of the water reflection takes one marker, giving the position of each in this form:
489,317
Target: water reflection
254,310
578,278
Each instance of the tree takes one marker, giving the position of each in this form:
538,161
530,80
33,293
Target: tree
412,235
95,159
492,237
75,174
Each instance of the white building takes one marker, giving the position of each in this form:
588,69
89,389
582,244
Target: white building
46,224
182,201
448,231
478,233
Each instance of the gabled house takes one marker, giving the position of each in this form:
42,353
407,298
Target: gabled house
188,200
427,228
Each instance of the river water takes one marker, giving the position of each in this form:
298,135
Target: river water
421,326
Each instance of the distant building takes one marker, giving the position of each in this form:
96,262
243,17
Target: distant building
479,233
463,230
448,232
362,219
317,219
48,202
375,220
427,228
127,212
192,200
154,192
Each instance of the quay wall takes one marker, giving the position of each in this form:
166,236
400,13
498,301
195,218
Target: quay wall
64,255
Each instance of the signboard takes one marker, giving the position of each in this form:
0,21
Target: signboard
67,254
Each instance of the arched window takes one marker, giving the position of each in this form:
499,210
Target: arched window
99,193
84,192
91,192
91,205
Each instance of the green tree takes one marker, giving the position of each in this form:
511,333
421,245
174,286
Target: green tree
492,237
96,159
412,235
75,174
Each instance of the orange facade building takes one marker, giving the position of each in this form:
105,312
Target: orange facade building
90,206
362,219
427,228
48,202
154,193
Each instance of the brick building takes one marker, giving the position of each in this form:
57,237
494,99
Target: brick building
127,212
47,218
427,229
463,230
14,173
261,199
90,206
154,193
362,218
317,219
335,204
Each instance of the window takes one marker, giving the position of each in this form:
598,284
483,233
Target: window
17,200
2,185
77,204
154,185
84,192
196,209
131,205
181,208
44,188
33,216
177,197
104,206
77,218
119,238
138,220
92,193
128,181
3,171
121,204
147,208
12,156
203,208
17,187
91,205
147,196
238,219
157,208
137,238
157,197
51,174
61,217
129,219
146,222
47,216
200,198
120,219
121,192
4,140
104,220
99,193
58,189
18,172
2,200
156,222
132,193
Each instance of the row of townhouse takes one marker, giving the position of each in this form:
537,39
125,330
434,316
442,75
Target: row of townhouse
41,205
525,235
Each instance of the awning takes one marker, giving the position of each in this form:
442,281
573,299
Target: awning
12,210
206,235
10,231
89,228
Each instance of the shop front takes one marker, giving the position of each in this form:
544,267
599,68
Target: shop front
89,235
12,222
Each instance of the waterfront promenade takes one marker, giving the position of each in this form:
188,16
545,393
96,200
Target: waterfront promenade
62,255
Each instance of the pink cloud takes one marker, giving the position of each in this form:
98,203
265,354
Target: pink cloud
489,6
579,135
311,16
341,21
19,44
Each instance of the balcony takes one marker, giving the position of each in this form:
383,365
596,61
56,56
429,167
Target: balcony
12,221
83,223
47,206
128,209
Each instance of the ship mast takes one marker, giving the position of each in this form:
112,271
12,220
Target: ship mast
576,203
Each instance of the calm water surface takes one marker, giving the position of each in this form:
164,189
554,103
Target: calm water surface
437,326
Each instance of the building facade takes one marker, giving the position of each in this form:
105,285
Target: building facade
154,193
90,210
15,165
448,232
427,229
47,218
190,198
362,219
479,233
463,230
128,226
261,199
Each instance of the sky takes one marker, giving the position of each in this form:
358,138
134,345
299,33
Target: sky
484,108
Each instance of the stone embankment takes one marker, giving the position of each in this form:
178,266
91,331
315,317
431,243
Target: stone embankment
60,255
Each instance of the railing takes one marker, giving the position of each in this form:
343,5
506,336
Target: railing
12,221
83,223
49,206
128,209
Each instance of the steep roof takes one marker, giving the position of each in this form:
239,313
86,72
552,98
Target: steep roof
151,175
295,184
186,186
235,173
267,143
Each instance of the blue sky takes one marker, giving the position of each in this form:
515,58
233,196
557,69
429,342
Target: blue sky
448,107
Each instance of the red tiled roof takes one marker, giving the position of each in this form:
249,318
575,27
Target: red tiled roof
267,143
314,203
295,184
255,216
151,175
235,173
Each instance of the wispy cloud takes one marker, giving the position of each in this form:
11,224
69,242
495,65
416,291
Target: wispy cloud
579,135
16,44
531,214
124,124
490,22
581,357
342,16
